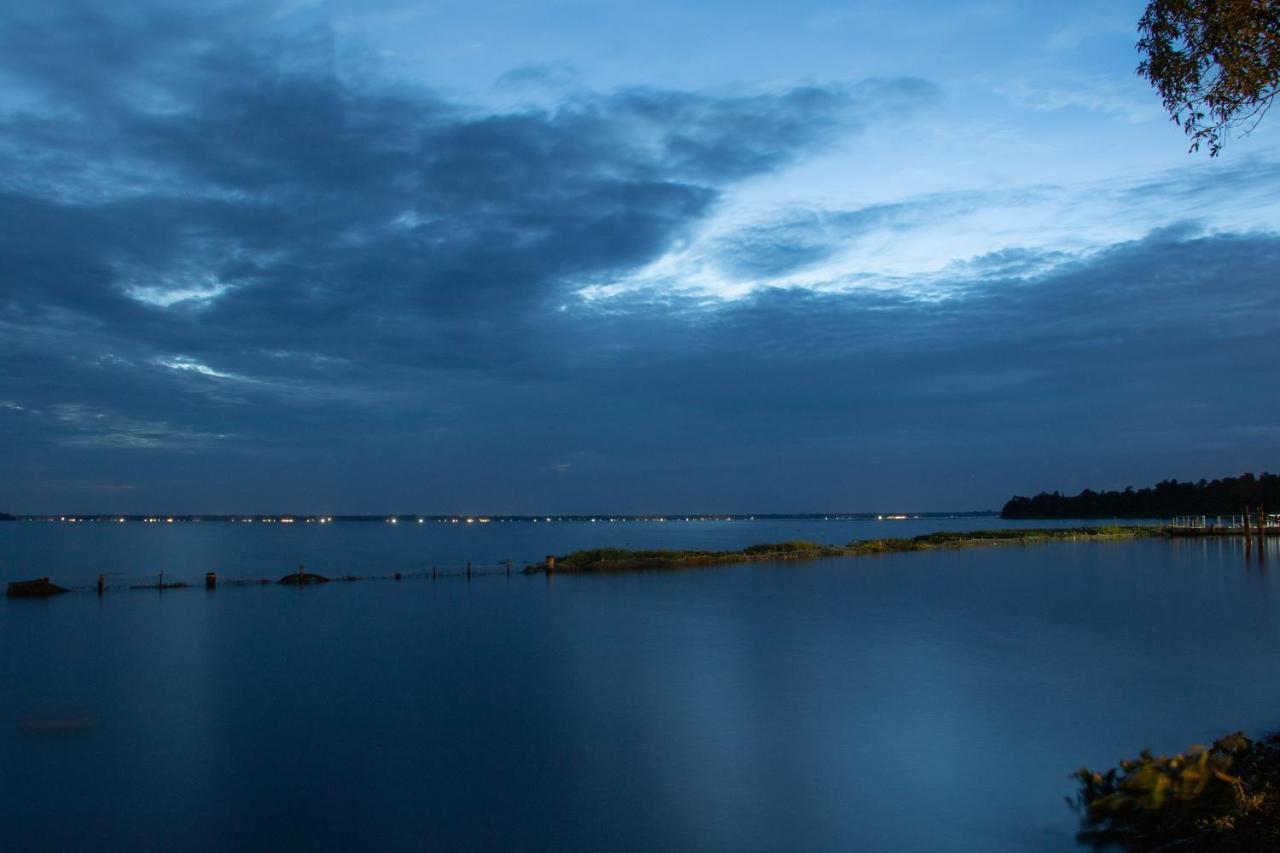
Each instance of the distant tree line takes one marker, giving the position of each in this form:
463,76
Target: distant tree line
1228,496
4,516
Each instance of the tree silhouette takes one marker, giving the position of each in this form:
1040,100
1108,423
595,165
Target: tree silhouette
1215,63
1227,496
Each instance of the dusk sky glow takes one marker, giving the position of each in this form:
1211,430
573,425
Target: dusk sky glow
350,257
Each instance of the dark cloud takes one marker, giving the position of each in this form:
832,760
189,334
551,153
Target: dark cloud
552,75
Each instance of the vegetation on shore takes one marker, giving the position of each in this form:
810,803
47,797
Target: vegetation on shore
1224,798
1227,496
618,559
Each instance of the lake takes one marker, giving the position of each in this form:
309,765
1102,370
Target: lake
933,701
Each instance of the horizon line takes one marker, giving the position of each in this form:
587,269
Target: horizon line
482,518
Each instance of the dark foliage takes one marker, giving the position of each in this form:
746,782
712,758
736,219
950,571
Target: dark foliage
1221,799
1215,63
1228,496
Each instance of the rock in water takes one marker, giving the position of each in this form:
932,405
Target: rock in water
33,589
302,579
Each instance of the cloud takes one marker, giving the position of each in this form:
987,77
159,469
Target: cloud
550,75
82,427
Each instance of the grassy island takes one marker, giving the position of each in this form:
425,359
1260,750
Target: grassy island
618,559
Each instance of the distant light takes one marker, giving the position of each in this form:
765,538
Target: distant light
420,520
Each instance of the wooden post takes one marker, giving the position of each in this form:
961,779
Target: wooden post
161,584
102,584
300,574
508,563
1248,537
551,563
468,570
397,576
1262,527
433,572
210,580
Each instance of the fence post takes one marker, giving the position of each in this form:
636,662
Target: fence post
102,584
1248,537
210,580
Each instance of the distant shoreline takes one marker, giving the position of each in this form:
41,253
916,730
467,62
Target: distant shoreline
1168,498
413,518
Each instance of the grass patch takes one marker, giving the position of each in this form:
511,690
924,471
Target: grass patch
621,559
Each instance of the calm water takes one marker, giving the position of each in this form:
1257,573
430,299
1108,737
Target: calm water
914,702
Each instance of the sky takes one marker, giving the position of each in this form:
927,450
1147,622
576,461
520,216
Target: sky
381,256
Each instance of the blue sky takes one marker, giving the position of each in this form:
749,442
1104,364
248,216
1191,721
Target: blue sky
448,257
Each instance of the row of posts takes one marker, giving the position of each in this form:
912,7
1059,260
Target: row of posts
1261,519
211,578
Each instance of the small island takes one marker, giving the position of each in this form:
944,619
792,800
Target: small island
622,560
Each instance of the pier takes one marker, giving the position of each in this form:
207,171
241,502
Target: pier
1249,524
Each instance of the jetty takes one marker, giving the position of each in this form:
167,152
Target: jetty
1249,524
